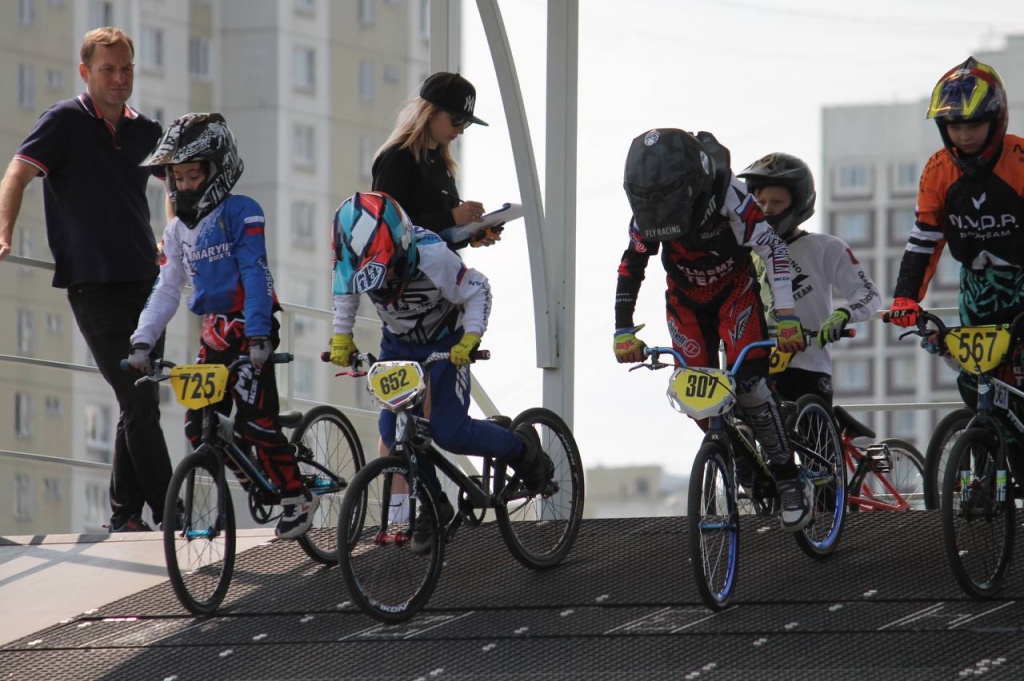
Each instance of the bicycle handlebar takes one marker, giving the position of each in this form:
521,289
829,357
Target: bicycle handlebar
358,358
155,376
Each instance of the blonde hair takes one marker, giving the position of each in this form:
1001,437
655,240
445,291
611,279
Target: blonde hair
106,36
411,132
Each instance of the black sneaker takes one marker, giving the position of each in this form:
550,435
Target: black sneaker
795,497
423,535
297,514
132,523
534,467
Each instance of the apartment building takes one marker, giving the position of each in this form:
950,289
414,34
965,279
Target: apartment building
872,160
310,88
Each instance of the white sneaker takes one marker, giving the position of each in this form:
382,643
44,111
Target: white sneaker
297,515
795,497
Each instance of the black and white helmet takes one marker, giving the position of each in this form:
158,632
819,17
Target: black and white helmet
199,137
669,181
784,170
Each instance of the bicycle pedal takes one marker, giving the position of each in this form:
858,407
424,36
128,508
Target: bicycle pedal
879,458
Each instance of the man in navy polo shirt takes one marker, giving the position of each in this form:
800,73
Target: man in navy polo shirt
88,151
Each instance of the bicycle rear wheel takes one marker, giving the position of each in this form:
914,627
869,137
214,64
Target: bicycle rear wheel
712,524
384,577
977,526
200,553
936,456
823,463
540,530
902,485
329,454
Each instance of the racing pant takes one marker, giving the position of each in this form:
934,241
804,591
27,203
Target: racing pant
451,427
729,312
253,393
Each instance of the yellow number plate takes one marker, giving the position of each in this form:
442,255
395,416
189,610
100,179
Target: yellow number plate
701,392
778,361
394,384
197,385
979,349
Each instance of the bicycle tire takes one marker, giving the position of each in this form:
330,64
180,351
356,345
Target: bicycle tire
937,453
199,546
712,523
541,530
816,428
330,438
977,529
903,482
385,579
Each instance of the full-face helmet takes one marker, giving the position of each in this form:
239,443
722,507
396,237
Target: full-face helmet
199,137
669,181
374,244
784,170
971,92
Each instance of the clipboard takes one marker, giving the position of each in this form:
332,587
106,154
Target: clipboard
460,234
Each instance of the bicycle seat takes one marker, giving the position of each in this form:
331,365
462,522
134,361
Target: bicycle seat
289,419
850,425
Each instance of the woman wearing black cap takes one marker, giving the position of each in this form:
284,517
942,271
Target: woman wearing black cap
415,164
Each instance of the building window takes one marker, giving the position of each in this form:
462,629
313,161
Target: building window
425,20
367,12
97,504
303,224
392,74
53,406
53,490
902,423
852,376
304,69
367,150
304,146
23,415
26,86
26,12
54,324
947,274
366,83
307,7
303,377
151,48
905,176
901,375
54,80
156,198
24,500
26,342
199,57
99,430
852,180
853,227
944,377
101,12
901,222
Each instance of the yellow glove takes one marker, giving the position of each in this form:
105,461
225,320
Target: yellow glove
461,351
342,349
627,347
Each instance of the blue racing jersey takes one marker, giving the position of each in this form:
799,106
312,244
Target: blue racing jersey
224,259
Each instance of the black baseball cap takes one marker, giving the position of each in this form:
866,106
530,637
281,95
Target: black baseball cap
452,93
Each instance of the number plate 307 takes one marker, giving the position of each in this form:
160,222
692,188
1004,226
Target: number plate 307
701,392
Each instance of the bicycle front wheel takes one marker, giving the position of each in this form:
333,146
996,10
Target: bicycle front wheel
901,487
199,533
329,454
977,514
540,530
385,578
822,459
936,456
712,524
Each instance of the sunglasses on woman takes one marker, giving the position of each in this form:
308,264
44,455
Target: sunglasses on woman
459,122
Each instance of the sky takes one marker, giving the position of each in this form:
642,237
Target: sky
756,73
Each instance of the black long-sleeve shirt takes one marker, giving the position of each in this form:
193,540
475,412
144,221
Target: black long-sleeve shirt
425,190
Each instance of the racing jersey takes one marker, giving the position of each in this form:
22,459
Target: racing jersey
697,263
980,218
823,266
224,259
441,295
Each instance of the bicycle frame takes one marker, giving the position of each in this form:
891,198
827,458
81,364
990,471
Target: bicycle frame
861,462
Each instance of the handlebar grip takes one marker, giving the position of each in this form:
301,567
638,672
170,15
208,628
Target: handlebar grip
125,366
325,356
849,333
885,317
283,357
480,355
